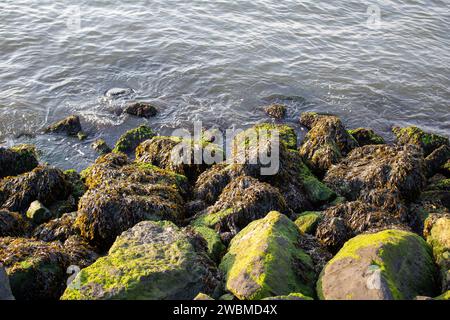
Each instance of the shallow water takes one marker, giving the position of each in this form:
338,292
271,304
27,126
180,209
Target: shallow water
219,62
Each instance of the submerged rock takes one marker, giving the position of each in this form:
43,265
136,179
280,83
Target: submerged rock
12,224
413,135
70,126
118,92
17,160
151,261
326,143
390,264
36,269
265,260
128,142
45,184
277,111
141,109
365,136
5,289
101,147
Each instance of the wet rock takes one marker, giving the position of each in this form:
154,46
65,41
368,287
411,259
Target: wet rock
45,184
437,234
445,169
152,260
36,269
101,147
215,246
202,296
12,224
118,92
307,221
38,213
344,221
183,156
17,160
70,126
326,143
122,193
365,136
277,111
57,229
128,142
437,160
141,109
243,200
291,296
5,289
265,260
79,252
392,168
390,264
82,135
413,135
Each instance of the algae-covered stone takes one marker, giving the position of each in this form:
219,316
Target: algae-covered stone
17,160
437,160
444,296
277,111
291,296
307,221
215,246
326,143
46,184
285,133
365,136
391,264
131,139
151,261
70,126
5,289
12,224
202,296
36,269
57,229
243,200
265,260
38,213
141,109
413,135
101,147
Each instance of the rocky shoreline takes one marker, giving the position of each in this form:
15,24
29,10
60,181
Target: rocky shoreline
346,216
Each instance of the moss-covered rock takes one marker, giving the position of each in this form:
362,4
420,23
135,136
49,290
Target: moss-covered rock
141,109
57,229
101,147
128,142
70,126
365,136
36,269
413,135
326,143
437,233
183,156
151,261
202,296
79,252
216,248
265,260
286,134
444,296
77,187
12,224
17,160
307,221
374,167
45,184
391,264
291,296
243,200
277,111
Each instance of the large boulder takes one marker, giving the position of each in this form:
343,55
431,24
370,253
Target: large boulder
183,156
46,184
326,143
128,142
151,261
391,264
428,142
5,289
392,168
12,224
17,160
265,260
36,269
437,233
243,200
122,194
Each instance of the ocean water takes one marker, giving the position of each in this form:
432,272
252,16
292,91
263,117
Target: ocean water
374,63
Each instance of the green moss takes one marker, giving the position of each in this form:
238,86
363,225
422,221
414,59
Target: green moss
444,296
291,296
365,136
76,183
415,135
132,138
211,219
215,245
264,260
307,222
286,134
